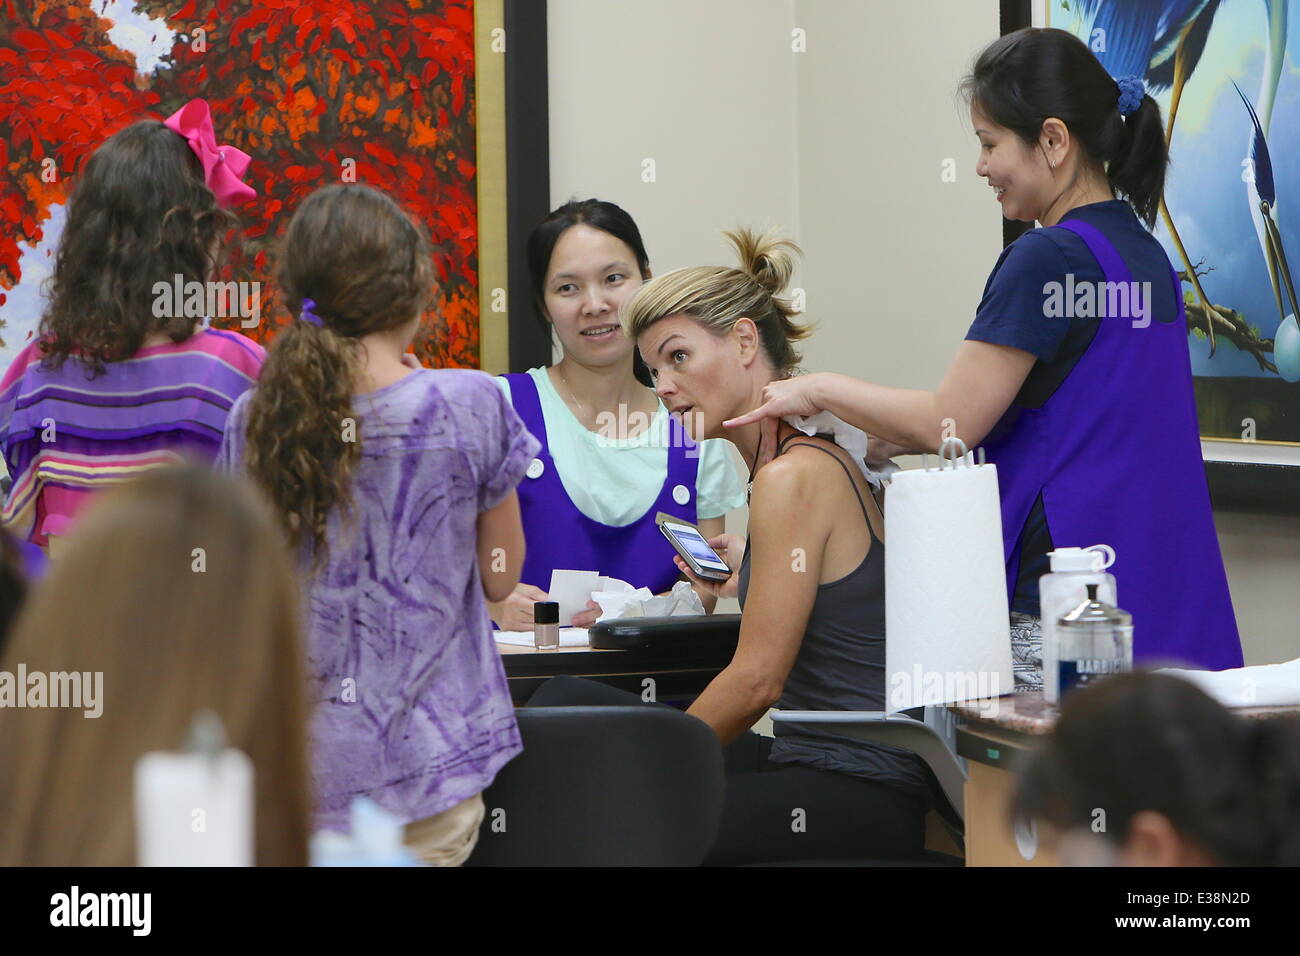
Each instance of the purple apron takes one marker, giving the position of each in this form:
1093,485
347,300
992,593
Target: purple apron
558,535
1116,455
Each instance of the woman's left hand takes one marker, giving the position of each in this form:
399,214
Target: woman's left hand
789,396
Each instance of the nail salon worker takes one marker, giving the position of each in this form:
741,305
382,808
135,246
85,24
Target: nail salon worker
1090,421
611,456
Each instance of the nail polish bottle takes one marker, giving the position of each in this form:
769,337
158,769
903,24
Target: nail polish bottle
546,625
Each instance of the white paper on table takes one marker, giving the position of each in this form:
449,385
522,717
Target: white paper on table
569,637
572,590
1262,685
682,599
621,600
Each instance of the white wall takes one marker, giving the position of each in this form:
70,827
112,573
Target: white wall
844,145
707,91
896,256
704,88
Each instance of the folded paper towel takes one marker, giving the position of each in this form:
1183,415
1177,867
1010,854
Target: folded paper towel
1264,685
851,439
946,610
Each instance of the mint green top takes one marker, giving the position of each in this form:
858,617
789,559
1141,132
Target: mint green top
615,481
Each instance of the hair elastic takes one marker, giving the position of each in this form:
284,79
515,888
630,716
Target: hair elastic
1132,91
307,315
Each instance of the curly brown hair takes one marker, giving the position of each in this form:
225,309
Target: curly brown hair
368,267
140,213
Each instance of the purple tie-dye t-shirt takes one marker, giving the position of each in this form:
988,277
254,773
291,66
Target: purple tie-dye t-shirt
410,697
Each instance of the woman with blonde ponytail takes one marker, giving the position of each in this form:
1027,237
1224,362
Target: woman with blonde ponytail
810,579
396,485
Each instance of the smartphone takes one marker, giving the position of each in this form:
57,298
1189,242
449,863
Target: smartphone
695,551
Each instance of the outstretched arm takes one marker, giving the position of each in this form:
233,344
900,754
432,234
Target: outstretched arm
977,390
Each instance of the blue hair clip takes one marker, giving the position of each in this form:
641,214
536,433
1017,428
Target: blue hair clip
307,315
1132,91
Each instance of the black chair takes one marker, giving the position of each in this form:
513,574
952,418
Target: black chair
604,786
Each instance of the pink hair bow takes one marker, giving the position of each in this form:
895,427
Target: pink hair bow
223,166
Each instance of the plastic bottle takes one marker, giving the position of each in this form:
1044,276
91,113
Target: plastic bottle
1062,590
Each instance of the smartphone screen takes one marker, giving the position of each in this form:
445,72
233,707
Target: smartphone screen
698,548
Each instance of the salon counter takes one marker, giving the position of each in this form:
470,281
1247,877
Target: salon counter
677,677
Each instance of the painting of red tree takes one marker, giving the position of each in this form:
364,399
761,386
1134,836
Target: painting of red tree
315,91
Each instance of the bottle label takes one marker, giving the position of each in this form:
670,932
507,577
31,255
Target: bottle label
1084,671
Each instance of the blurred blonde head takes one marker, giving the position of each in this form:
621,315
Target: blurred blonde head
179,589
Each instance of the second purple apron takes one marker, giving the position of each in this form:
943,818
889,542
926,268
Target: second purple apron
558,535
1116,454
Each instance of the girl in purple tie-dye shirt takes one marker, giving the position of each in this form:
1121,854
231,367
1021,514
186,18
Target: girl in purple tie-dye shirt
397,485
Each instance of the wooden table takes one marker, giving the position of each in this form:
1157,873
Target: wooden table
996,737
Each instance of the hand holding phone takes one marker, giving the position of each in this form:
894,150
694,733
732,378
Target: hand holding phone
729,547
710,571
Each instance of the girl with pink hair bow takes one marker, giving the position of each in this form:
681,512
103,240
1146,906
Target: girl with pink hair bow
120,379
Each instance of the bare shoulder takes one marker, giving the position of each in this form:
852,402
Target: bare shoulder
812,457
793,485
784,476
830,473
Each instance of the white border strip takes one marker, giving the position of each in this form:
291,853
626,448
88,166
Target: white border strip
1255,453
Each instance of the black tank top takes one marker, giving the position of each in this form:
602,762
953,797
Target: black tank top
841,666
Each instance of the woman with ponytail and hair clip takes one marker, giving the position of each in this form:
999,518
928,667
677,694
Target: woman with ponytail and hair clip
1182,780
396,484
1086,405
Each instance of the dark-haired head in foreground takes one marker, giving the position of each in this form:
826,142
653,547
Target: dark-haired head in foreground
1147,770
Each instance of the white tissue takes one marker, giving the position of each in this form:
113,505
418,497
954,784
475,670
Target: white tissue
851,439
620,600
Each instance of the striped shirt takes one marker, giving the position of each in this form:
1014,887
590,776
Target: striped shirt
65,435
